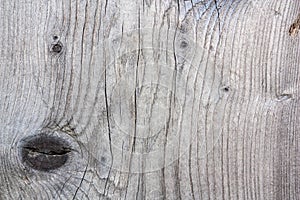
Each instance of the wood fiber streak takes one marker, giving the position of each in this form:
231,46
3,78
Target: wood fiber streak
158,99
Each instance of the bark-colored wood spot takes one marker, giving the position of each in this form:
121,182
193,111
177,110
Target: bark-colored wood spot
295,27
44,152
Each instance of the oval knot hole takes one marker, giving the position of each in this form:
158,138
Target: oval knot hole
45,152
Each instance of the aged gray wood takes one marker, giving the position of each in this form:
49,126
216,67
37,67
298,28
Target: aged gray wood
158,99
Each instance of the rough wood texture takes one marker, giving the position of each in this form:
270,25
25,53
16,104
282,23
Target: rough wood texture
158,99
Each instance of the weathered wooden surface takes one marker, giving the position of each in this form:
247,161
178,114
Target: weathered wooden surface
157,99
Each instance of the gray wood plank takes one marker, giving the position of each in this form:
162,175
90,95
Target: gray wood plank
150,99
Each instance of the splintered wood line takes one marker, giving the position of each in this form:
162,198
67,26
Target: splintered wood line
7,182
294,150
55,62
206,40
211,17
269,149
229,13
223,162
278,161
254,87
88,88
255,182
257,158
292,73
288,151
206,30
236,106
281,44
39,79
44,67
54,66
200,181
38,61
72,47
280,189
66,21
94,34
297,81
78,100
18,96
59,61
32,86
248,153
215,18
6,69
286,76
251,192
292,119
297,150
55,78
261,151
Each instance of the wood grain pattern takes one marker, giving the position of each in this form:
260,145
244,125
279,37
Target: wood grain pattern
158,99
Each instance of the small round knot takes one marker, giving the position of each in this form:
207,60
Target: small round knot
55,37
226,89
183,44
57,48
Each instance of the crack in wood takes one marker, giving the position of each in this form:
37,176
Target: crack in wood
47,151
